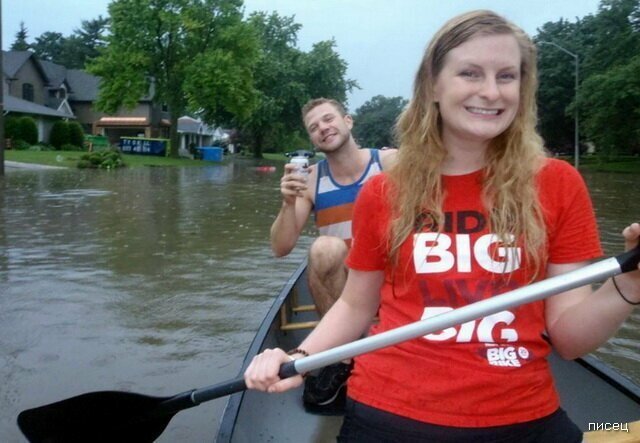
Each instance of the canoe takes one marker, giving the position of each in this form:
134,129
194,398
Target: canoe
593,394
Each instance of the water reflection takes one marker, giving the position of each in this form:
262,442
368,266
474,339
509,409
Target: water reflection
154,280
616,207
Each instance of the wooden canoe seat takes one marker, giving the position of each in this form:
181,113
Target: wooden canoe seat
291,309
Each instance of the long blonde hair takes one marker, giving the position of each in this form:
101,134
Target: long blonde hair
512,160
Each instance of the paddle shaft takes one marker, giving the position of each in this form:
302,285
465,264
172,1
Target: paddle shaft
590,274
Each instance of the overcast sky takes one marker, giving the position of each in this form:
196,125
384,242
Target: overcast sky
381,40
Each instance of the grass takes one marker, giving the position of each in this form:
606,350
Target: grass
70,159
629,165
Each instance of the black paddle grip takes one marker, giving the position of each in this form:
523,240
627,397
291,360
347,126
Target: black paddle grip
629,260
288,369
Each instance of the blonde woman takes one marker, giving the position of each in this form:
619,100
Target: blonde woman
473,208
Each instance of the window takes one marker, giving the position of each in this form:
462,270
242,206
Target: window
27,91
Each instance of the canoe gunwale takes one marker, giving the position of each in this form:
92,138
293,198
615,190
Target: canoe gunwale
590,363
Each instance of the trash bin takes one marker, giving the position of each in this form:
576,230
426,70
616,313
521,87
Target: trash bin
212,153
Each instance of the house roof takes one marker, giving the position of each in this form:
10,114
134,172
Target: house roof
54,72
15,104
12,61
84,86
190,125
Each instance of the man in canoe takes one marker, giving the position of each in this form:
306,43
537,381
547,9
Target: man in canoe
472,208
329,190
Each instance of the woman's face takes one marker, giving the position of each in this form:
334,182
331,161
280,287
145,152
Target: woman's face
478,88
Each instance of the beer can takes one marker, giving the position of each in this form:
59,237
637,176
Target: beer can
302,165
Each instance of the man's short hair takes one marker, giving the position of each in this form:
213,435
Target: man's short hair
321,101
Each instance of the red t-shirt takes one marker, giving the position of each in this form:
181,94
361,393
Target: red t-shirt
488,372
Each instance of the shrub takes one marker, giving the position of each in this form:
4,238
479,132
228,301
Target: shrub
12,128
108,159
28,130
20,145
76,134
59,134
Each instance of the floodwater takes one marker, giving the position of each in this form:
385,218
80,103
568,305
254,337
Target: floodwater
155,280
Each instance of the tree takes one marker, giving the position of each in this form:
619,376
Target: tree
286,78
556,93
76,50
374,121
197,54
279,90
613,98
50,46
20,42
605,44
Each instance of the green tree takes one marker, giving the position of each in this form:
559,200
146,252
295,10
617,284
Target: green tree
76,50
198,54
604,43
20,42
556,93
613,97
374,121
280,92
324,71
50,46
286,78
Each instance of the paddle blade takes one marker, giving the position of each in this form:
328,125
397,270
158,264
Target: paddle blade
96,417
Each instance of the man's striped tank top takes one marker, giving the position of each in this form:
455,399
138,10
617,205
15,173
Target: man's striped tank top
334,202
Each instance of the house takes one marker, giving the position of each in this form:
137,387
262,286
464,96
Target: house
34,88
194,133
48,92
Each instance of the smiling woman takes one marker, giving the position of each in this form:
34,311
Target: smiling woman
472,209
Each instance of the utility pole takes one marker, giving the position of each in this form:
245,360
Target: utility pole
1,99
576,142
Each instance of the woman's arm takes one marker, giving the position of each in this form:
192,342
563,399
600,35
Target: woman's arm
581,320
347,320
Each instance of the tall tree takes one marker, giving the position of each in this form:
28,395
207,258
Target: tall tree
85,43
20,42
76,50
198,54
374,121
557,84
605,44
613,101
286,77
50,46
277,82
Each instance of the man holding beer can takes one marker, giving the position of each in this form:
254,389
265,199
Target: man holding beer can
329,189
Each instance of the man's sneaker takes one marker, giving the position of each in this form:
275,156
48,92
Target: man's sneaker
326,392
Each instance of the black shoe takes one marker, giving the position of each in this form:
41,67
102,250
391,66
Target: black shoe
328,389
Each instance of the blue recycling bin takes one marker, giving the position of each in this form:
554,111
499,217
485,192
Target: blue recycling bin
212,153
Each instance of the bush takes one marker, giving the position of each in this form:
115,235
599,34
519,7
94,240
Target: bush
59,134
12,128
108,159
28,130
76,134
20,145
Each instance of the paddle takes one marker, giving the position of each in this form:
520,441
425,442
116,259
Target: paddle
123,416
